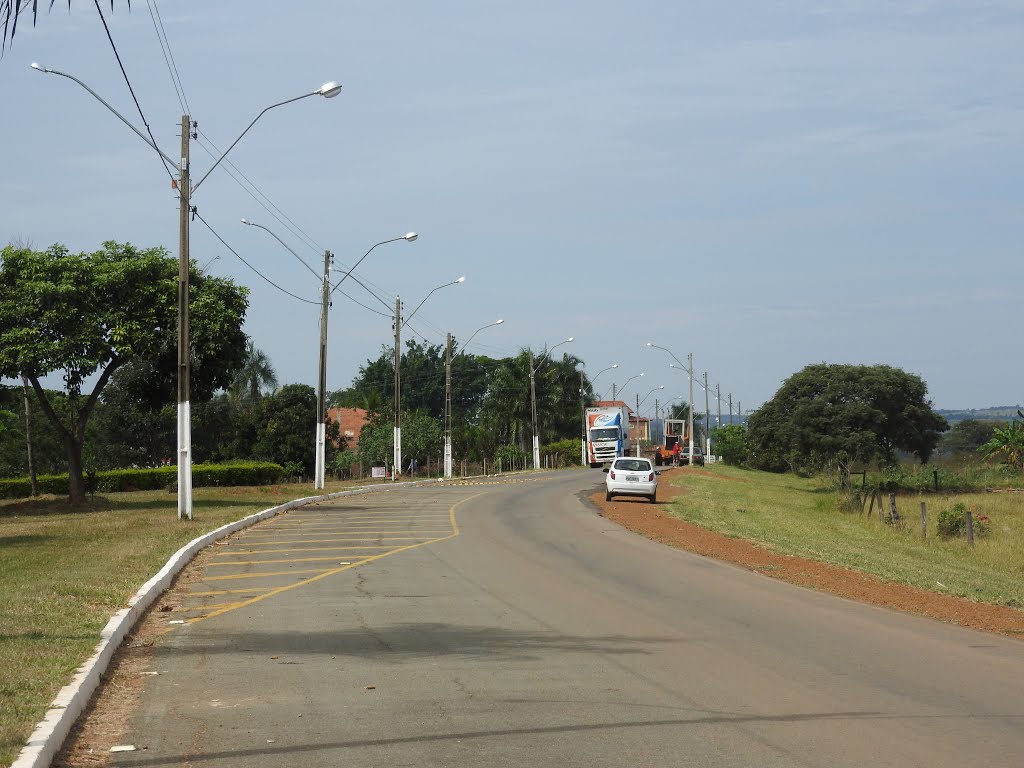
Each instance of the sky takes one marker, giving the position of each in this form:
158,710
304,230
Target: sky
765,185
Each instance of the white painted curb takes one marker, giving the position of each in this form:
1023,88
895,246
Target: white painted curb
48,736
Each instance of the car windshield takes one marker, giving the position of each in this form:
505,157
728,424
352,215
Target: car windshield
604,433
633,465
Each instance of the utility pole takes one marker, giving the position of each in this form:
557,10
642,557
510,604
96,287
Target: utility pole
321,400
718,399
184,344
730,409
583,411
657,421
28,437
533,403
448,409
397,457
707,418
689,370
637,433
739,411
613,391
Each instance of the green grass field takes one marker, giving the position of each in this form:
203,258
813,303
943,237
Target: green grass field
64,574
798,516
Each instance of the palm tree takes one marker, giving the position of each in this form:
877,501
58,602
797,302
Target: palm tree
255,375
11,10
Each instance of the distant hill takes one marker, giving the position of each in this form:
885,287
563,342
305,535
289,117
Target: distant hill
997,413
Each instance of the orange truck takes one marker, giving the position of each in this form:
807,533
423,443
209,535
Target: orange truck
675,432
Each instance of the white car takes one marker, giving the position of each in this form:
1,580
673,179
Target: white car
631,476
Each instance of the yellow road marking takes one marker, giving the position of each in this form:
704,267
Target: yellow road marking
333,571
283,560
214,592
261,575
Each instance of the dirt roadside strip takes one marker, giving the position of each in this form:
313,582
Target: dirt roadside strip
49,735
654,523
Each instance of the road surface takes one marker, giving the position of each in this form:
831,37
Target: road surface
505,623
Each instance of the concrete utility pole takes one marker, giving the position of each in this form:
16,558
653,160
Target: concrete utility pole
397,457
637,424
613,391
321,400
448,409
533,404
707,418
583,412
689,370
184,344
28,437
718,399
730,409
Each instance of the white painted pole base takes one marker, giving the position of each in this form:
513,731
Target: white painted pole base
448,457
397,469
184,461
536,452
321,457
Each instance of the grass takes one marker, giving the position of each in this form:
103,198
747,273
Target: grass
65,573
797,516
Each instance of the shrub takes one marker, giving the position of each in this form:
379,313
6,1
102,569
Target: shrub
952,522
510,456
564,453
203,475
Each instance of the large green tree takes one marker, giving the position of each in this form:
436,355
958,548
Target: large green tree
85,315
838,415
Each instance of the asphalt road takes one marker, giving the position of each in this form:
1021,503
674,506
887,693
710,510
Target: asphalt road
506,624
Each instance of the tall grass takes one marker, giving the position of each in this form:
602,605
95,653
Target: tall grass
807,518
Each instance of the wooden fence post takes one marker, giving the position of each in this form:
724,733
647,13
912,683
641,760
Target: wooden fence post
881,514
893,514
970,528
871,507
924,520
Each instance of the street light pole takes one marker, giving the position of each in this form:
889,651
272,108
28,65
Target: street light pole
448,395
533,399
184,428
320,433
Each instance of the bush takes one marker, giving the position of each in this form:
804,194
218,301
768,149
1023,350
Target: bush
510,456
564,453
118,480
952,522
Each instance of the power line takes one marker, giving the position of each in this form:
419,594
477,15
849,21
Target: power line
165,48
250,266
132,90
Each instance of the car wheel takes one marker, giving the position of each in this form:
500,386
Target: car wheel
607,496
654,497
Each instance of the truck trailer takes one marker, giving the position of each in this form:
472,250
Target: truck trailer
607,434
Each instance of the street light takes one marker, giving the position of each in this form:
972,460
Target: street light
533,398
623,387
184,458
689,376
448,395
320,438
399,324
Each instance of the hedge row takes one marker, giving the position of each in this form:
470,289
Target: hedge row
247,473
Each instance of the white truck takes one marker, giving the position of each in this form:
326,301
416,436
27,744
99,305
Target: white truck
607,434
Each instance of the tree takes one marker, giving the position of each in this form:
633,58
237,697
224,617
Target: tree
969,435
730,443
828,415
86,315
1007,443
11,10
256,375
286,434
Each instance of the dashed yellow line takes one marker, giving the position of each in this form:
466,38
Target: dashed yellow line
233,564
333,571
260,575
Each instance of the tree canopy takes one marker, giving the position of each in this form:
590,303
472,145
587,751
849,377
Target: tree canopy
828,415
85,315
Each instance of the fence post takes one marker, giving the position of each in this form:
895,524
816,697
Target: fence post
935,478
924,520
881,514
970,528
893,514
871,506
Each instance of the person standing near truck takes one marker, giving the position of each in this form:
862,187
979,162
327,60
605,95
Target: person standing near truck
675,454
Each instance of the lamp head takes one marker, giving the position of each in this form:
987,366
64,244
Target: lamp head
498,322
461,279
615,365
244,221
410,236
330,90
569,339
649,344
40,67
